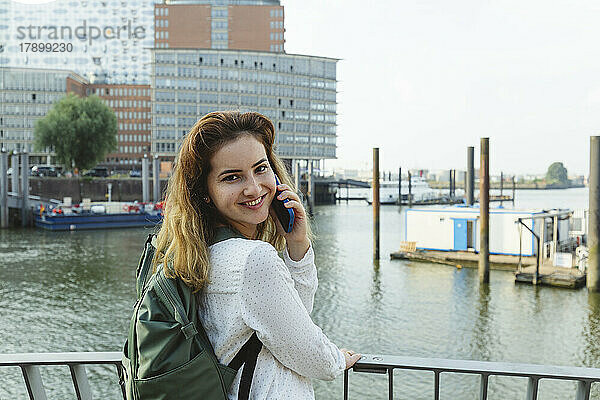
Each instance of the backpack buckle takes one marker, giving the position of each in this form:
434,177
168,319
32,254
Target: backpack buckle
189,330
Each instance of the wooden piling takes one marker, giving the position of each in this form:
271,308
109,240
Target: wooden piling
14,163
3,189
501,187
400,186
484,212
409,190
513,189
593,274
375,203
156,179
450,183
145,180
309,187
470,181
25,208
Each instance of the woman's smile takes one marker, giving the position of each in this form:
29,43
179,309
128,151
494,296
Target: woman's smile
254,204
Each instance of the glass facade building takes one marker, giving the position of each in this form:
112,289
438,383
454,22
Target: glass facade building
297,92
27,95
93,38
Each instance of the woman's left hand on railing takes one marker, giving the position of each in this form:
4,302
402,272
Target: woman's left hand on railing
351,357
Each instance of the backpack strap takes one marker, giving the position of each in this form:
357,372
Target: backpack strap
144,268
225,232
247,355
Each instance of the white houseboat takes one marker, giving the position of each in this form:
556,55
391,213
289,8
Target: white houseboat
456,229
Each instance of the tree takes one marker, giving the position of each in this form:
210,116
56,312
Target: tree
81,131
557,173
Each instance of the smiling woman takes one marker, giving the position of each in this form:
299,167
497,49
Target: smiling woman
221,237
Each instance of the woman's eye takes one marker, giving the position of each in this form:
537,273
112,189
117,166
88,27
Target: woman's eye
261,168
229,178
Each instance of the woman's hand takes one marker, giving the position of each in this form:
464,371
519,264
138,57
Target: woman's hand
297,240
351,357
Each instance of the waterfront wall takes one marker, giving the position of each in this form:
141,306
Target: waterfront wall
128,189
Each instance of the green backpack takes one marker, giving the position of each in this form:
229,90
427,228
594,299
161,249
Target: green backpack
167,354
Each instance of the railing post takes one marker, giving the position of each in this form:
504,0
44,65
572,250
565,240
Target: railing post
346,385
391,383
483,388
33,381
80,382
583,390
532,388
436,383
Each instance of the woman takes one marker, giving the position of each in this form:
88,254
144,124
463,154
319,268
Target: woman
224,178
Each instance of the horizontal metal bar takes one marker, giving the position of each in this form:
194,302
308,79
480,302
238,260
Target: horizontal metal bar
21,359
373,362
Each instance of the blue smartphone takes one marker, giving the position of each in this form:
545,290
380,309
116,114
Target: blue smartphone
284,215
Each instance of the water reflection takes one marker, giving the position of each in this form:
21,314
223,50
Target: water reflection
73,291
591,332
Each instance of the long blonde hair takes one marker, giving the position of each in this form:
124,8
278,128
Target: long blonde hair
189,223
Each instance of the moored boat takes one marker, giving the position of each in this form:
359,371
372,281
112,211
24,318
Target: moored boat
99,216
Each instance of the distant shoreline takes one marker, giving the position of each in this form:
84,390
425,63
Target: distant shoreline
508,186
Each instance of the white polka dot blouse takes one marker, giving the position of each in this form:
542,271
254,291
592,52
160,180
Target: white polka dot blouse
252,289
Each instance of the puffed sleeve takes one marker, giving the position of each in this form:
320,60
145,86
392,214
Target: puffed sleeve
271,306
304,274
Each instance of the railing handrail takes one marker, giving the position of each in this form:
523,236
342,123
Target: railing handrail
370,363
19,359
385,362
76,361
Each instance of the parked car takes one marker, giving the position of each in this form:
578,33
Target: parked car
135,173
44,170
100,172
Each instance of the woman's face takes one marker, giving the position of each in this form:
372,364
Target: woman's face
241,183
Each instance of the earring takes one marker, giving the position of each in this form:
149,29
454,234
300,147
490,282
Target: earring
206,199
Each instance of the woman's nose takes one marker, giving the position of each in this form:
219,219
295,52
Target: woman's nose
252,187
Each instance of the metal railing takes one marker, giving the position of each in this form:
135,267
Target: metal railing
378,364
30,363
384,364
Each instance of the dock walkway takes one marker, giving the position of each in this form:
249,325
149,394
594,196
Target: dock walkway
463,258
549,275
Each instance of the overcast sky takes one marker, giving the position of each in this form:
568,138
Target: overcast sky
424,79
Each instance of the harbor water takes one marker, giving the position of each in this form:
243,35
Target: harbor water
74,291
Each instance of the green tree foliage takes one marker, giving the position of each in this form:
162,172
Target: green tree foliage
81,131
557,173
